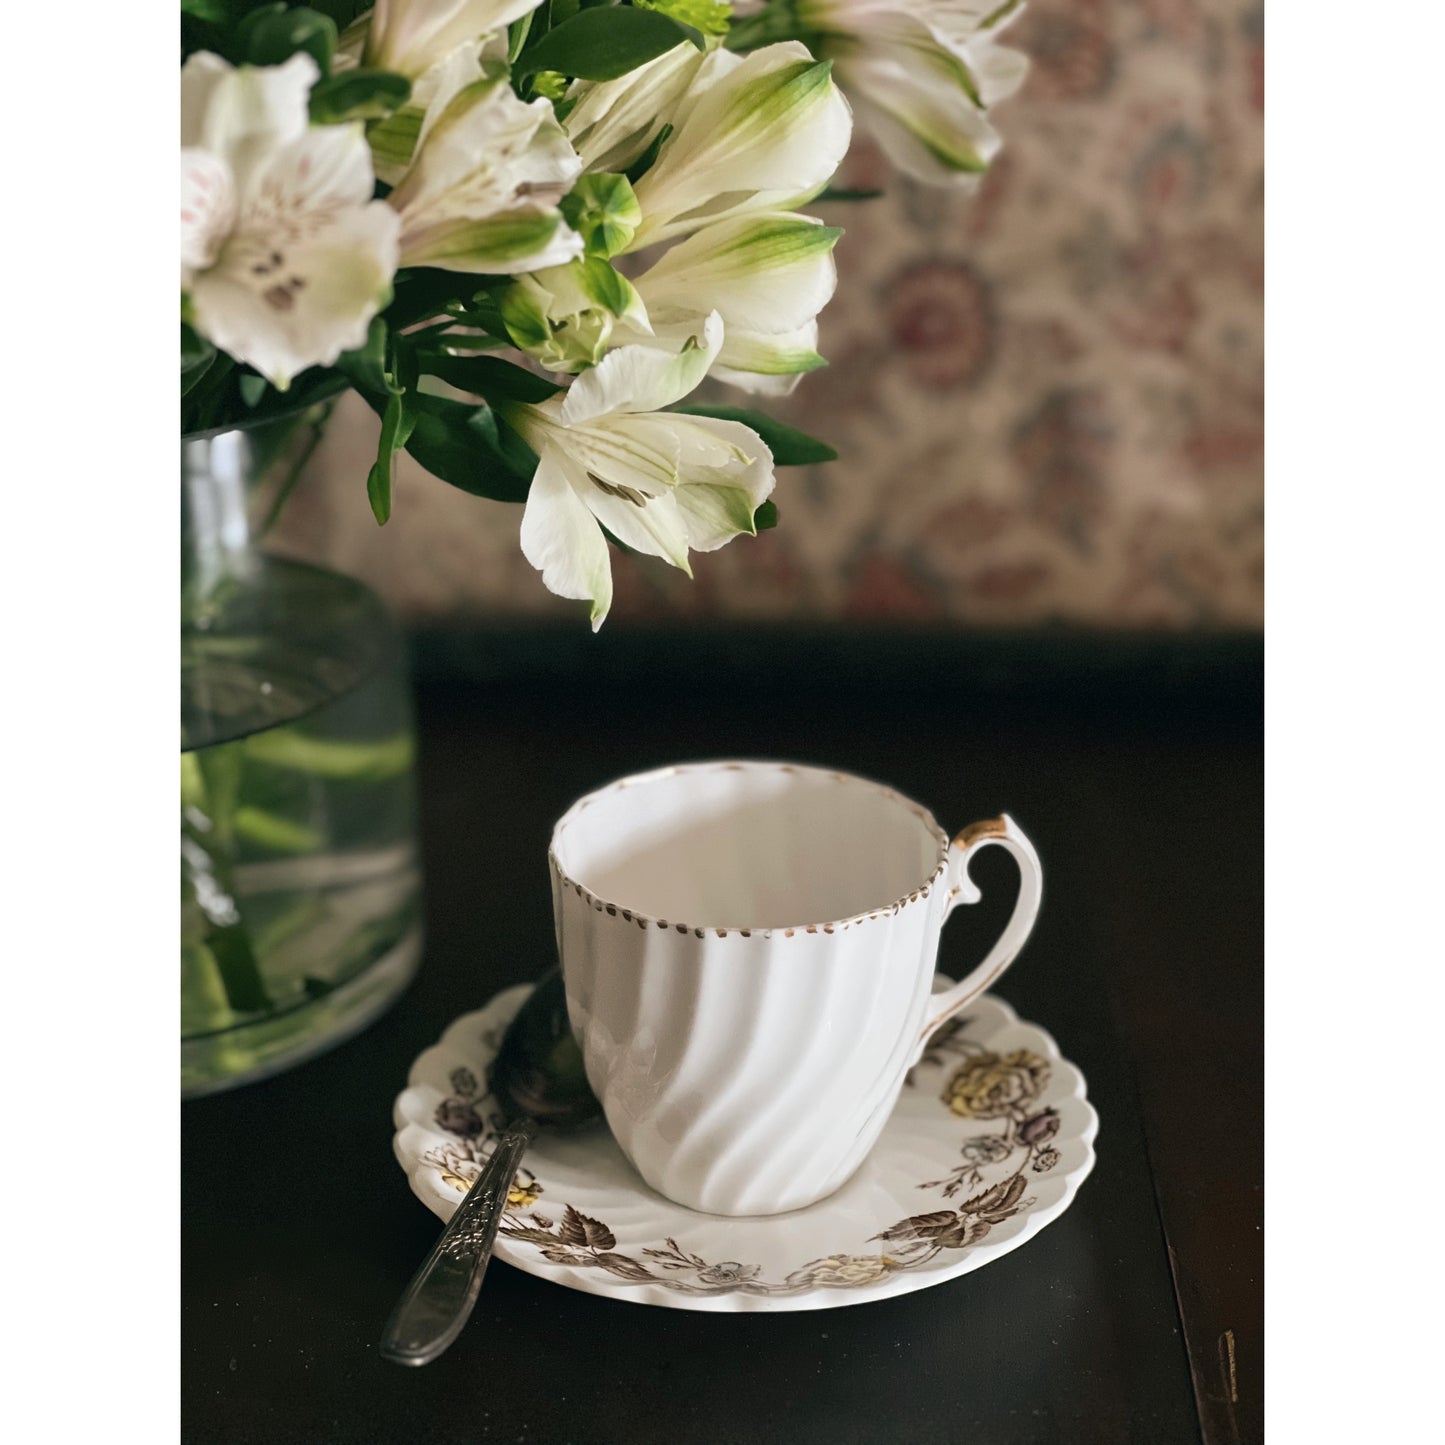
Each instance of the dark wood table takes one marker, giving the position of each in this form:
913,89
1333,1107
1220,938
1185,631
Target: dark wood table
1136,768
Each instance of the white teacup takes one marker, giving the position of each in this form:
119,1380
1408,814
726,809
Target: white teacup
748,950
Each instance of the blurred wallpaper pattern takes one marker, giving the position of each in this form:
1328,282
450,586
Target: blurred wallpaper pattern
1047,399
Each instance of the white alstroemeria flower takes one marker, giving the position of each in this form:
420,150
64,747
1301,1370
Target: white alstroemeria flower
565,316
411,36
768,275
480,193
755,133
660,482
922,77
612,122
285,257
422,36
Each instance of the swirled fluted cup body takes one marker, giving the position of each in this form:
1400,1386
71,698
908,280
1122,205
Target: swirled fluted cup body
748,951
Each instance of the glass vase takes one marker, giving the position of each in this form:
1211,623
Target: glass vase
300,887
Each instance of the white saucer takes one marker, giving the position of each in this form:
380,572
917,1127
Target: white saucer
989,1142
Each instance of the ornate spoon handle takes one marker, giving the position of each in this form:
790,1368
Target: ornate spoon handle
439,1299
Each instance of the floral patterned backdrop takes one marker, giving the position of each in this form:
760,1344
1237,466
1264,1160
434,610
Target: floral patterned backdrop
1047,399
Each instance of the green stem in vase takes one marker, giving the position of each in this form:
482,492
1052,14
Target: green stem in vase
316,419
207,806
343,760
280,835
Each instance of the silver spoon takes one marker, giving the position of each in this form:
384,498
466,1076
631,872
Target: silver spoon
538,1081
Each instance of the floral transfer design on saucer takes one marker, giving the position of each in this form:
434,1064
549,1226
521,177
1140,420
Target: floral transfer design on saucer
1003,1116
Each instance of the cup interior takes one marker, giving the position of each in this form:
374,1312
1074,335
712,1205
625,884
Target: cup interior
748,845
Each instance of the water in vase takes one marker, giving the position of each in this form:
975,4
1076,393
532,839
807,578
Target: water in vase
300,891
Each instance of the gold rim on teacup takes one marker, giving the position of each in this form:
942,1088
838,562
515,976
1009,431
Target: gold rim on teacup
613,908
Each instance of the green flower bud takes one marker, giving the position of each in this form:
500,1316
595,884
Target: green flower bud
564,316
604,212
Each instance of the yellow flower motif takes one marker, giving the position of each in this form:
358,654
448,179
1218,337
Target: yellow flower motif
461,1174
991,1086
460,1182
844,1269
525,1190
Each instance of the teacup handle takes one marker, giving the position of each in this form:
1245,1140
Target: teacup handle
962,889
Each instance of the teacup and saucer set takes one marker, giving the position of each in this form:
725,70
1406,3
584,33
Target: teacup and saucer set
799,1113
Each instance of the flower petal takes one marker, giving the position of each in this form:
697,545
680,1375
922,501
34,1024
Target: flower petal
757,383
462,121
922,76
245,114
612,122
916,44
208,209
308,307
327,168
625,451
768,363
773,129
1000,71
725,473
928,128
643,378
409,36
485,156
763,272
562,540
504,244
201,76
651,525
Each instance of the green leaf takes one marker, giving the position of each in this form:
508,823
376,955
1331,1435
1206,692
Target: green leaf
425,291
219,403
197,354
205,401
366,366
210,25
343,12
711,17
195,349
991,20
517,36
470,448
843,193
789,446
273,34
490,377
481,310
643,163
253,387
766,516
396,425
603,44
358,95
461,443
405,369
773,22
452,343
